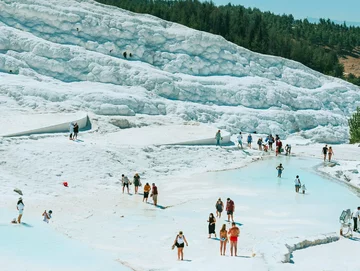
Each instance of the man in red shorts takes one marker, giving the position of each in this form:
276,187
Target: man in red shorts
234,233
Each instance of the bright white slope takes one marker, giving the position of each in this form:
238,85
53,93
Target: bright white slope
60,54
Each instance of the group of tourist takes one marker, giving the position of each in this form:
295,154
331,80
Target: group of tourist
137,183
74,130
225,235
327,151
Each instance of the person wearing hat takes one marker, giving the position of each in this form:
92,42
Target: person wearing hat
47,216
230,209
20,207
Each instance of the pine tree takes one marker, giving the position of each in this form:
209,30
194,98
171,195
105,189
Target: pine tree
354,126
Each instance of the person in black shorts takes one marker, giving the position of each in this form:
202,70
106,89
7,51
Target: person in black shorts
147,189
324,151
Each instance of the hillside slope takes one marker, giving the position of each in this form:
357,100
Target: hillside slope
69,56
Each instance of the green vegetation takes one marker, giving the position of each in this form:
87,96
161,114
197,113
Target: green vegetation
354,125
317,46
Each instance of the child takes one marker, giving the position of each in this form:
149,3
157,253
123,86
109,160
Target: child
303,188
47,216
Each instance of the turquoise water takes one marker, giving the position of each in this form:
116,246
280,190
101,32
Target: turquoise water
268,203
35,246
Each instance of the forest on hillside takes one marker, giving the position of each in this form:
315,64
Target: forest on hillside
316,45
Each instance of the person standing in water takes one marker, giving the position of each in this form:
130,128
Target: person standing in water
249,140
223,239
239,139
147,189
219,207
330,153
20,207
356,217
212,224
154,194
324,151
137,182
230,209
297,184
179,242
218,138
234,233
280,170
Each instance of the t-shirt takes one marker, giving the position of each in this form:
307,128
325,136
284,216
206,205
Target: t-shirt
325,149
297,181
147,188
20,206
230,206
180,239
239,137
125,179
154,190
356,213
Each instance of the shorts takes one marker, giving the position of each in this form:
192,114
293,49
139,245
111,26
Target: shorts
146,195
155,197
126,184
233,238
240,142
179,245
21,212
230,212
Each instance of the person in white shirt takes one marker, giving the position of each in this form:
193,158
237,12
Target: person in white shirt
239,139
356,216
297,184
20,206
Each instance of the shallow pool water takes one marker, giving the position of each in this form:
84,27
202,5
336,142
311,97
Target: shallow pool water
268,203
36,246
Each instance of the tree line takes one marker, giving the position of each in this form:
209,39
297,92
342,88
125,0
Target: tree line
316,45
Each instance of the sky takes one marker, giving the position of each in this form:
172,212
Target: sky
349,10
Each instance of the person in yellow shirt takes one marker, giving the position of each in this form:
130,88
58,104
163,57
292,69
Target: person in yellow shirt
147,189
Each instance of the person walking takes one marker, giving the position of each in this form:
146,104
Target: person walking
76,131
288,149
20,207
219,207
137,182
230,209
324,151
125,182
223,239
179,242
249,140
330,153
280,169
356,216
147,189
297,184
211,226
154,194
234,233
218,138
71,130
239,139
